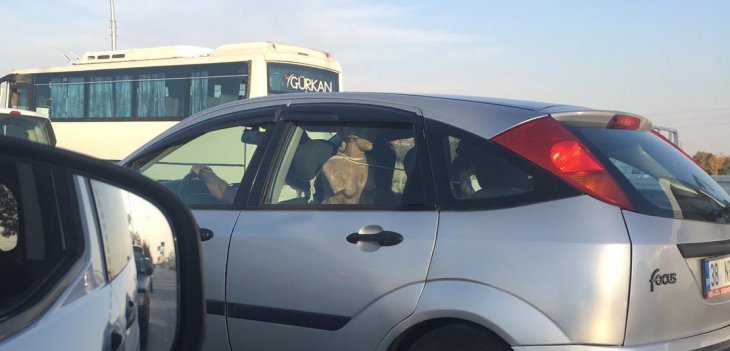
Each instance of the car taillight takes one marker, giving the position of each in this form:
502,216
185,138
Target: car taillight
546,143
15,113
624,122
143,297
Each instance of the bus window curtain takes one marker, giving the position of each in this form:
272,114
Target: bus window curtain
67,97
199,91
151,95
123,97
101,97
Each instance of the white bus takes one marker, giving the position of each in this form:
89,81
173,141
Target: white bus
107,104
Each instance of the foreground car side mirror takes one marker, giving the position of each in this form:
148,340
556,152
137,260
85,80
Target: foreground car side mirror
69,277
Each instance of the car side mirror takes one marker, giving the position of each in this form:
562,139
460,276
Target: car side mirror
74,232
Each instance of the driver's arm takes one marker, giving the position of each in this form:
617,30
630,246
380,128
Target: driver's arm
215,184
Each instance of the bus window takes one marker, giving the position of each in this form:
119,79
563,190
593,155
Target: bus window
19,97
215,85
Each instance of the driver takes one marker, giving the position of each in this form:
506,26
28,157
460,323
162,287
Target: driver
217,186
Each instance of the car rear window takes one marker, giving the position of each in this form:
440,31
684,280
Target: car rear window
657,177
25,128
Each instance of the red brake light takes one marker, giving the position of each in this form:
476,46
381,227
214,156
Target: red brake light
624,122
545,142
15,113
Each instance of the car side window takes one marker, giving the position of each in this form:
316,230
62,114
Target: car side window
345,164
209,168
38,235
476,171
478,174
115,226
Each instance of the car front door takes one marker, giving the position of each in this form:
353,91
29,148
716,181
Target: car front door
226,150
334,246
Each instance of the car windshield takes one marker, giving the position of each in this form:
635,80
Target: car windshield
138,255
26,128
658,178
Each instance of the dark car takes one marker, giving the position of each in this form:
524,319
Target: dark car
144,290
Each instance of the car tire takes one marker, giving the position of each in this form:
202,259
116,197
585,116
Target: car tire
458,337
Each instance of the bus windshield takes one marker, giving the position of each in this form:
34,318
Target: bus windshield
288,78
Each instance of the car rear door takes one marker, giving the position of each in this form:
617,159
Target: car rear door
310,275
680,235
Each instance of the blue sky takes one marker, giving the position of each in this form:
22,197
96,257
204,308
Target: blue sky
667,60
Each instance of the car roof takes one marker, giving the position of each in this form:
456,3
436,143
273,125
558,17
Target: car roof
24,113
479,115
438,104
404,98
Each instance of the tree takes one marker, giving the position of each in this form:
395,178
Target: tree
726,167
147,252
716,163
9,225
713,164
703,159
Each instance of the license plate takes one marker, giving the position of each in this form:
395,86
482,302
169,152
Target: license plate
717,276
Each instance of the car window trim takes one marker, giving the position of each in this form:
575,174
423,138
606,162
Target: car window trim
193,131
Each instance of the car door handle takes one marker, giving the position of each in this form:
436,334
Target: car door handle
384,238
205,234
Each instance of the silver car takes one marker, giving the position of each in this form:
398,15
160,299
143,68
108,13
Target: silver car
365,221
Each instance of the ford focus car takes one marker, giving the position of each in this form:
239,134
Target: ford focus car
368,221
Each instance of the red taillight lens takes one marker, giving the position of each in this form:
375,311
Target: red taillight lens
15,113
624,122
571,157
548,144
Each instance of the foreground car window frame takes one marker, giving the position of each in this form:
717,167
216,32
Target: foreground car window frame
191,309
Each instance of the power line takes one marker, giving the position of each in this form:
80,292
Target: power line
690,118
703,125
686,111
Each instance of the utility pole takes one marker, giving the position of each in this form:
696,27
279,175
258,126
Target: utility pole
114,26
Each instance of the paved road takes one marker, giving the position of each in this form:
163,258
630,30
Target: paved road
163,310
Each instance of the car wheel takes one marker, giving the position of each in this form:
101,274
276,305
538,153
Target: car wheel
458,337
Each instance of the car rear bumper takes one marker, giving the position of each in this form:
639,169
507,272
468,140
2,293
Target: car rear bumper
718,340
